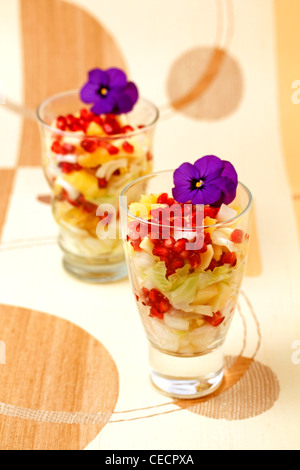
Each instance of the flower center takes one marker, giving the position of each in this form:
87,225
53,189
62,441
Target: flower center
103,91
199,184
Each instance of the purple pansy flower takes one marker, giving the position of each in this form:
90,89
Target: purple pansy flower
209,181
109,91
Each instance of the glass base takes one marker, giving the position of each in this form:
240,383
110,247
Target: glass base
95,273
186,377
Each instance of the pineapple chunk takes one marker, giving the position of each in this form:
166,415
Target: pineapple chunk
139,210
142,210
92,160
217,252
209,221
146,245
149,198
80,219
95,129
204,295
86,184
219,301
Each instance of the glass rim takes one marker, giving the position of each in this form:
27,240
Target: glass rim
93,137
186,229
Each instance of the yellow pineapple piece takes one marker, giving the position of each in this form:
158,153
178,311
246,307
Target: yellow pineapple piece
217,252
139,210
95,129
209,221
149,198
219,301
83,220
86,183
92,160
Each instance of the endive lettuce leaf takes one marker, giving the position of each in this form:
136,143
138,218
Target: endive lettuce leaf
182,286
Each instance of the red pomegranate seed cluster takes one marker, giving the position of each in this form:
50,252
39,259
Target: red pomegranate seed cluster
109,122
216,319
67,167
158,303
81,202
175,252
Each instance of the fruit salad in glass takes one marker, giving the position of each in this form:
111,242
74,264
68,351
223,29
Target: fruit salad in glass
89,154
186,255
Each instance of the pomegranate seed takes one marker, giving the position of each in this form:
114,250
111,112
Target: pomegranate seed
75,126
184,254
180,245
61,123
66,167
207,238
56,147
155,313
210,211
159,250
136,244
149,156
194,260
68,148
203,249
237,236
228,258
216,319
170,201
126,129
108,128
83,124
213,265
144,291
163,306
169,243
162,198
128,147
89,145
112,150
102,182
98,120
153,295
86,114
177,263
70,119
155,241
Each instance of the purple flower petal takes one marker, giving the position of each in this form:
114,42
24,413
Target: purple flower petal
103,105
229,172
210,181
131,91
181,194
185,173
209,166
208,195
116,78
109,91
98,77
88,93
228,188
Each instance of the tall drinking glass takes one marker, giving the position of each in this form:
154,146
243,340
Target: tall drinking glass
88,165
186,280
